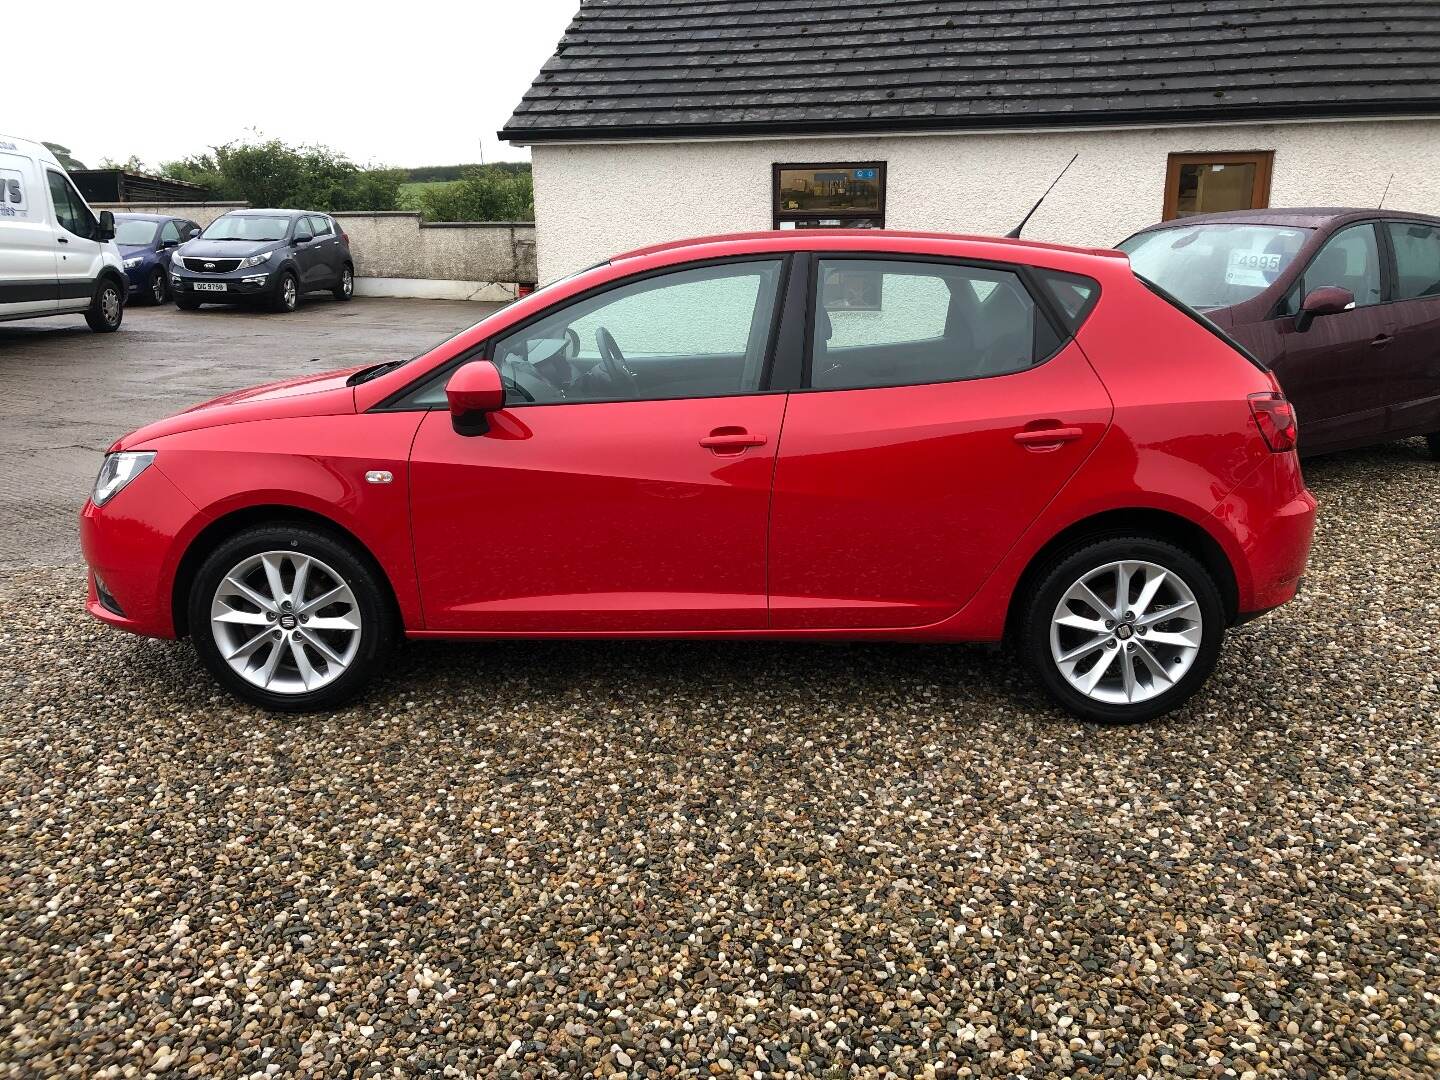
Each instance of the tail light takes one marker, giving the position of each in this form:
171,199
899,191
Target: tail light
1275,417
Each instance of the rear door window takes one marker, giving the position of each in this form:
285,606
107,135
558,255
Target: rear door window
899,323
319,225
1417,259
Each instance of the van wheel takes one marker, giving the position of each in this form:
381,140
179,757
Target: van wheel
159,290
186,302
1123,629
346,289
107,309
290,618
287,293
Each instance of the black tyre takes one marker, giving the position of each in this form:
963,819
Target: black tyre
107,307
186,302
286,296
157,289
291,618
346,289
1433,441
1122,629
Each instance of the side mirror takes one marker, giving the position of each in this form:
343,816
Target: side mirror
474,391
105,228
192,234
303,240
1326,300
169,244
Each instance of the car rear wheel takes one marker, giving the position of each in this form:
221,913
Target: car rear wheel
290,618
1123,629
107,308
346,289
287,293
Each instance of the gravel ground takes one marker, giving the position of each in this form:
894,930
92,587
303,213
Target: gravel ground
769,860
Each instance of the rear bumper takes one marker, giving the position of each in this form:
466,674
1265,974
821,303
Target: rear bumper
1272,518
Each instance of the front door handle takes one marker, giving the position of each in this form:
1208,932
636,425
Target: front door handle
1050,436
63,240
727,441
1381,340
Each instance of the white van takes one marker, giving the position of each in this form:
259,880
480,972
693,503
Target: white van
56,254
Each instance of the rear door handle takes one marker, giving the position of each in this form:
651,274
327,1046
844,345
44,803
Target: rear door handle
731,441
1381,341
1052,436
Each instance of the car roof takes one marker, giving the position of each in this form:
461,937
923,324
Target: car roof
897,241
1297,217
257,211
128,216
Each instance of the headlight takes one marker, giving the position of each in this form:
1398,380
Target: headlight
131,263
255,260
118,470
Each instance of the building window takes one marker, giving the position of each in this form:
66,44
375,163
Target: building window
848,195
1207,183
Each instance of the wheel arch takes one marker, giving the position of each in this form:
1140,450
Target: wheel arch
1147,521
222,528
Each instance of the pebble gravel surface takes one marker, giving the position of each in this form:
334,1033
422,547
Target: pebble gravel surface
765,860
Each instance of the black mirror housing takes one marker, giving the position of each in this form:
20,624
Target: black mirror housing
105,227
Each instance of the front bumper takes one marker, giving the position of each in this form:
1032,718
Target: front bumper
133,545
255,281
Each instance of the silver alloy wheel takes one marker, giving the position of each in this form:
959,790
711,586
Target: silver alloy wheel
110,305
289,292
1126,632
285,622
157,286
347,281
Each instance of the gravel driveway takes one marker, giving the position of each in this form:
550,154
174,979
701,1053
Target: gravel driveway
650,859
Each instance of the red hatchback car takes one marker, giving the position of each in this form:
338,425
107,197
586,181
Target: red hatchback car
809,435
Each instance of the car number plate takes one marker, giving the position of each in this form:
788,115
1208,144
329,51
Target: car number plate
210,286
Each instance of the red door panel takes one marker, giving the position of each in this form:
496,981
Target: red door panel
604,517
893,505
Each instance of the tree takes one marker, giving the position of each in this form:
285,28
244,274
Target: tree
62,155
272,173
487,193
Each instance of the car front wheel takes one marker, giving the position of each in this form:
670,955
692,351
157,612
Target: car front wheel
290,618
287,293
1123,629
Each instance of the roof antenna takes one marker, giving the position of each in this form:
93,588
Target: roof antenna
1381,203
1014,234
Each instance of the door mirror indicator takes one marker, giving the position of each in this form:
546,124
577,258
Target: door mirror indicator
1326,300
474,391
105,227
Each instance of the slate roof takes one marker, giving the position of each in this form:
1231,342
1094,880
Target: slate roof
657,68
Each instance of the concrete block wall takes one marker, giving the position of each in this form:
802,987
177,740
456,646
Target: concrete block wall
398,254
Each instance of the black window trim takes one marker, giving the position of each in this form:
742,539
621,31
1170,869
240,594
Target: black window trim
783,307
1044,303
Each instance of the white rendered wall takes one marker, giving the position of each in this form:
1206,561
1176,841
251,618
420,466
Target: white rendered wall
593,201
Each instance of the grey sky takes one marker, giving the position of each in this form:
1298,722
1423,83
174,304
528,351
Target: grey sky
418,83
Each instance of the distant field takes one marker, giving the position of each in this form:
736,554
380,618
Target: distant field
409,198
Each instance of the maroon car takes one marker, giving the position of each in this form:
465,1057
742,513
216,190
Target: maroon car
1343,305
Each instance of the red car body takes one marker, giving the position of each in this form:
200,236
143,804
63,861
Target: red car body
910,512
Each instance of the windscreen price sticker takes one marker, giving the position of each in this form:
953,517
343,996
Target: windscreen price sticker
1253,268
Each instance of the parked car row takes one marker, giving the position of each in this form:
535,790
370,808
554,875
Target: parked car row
59,256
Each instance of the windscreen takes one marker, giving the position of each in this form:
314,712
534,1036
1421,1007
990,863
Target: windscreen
247,227
135,233
1214,266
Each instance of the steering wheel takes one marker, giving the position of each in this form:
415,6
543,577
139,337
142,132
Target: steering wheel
613,361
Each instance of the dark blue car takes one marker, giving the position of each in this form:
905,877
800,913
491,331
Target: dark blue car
146,243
